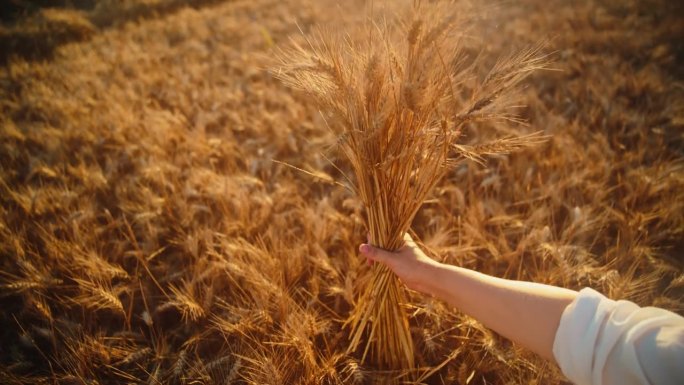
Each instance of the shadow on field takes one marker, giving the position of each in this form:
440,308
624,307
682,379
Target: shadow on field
33,30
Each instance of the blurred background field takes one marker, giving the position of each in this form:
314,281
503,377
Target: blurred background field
147,235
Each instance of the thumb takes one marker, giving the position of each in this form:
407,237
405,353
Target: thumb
374,253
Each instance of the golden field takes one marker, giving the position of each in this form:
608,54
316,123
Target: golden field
151,230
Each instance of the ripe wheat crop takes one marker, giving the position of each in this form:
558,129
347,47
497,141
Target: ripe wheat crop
395,100
153,228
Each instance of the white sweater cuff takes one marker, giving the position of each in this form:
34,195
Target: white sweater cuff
603,342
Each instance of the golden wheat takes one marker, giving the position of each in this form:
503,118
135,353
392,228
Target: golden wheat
137,142
394,102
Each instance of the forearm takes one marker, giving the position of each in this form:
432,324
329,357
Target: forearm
525,312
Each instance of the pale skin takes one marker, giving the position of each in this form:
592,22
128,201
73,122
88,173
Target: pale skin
527,313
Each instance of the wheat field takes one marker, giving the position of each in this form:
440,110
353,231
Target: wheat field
172,210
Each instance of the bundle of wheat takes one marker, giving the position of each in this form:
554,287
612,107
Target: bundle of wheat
400,99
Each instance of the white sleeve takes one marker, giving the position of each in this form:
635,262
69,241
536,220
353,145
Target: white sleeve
604,342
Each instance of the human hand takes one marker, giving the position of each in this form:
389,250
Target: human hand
409,263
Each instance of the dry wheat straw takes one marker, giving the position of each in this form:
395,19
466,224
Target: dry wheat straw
395,99
160,165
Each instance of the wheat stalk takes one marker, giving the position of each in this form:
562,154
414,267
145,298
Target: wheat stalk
185,301
98,296
394,99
